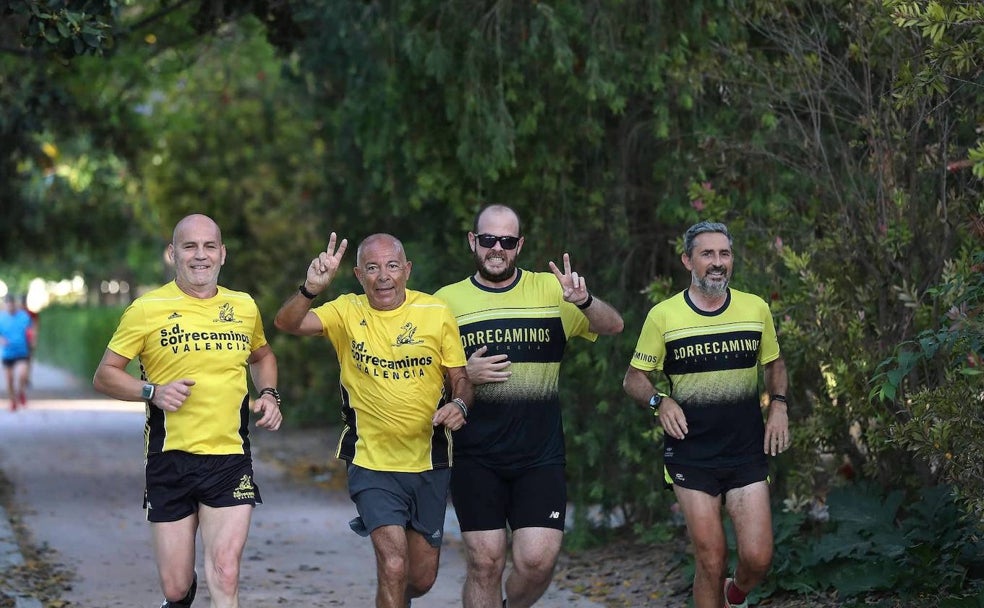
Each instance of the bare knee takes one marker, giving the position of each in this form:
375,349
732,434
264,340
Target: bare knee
711,561
486,566
421,577
225,575
175,588
537,568
392,567
756,560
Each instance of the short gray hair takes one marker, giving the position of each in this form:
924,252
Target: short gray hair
700,228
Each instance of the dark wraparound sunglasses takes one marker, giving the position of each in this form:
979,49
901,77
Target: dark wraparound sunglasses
489,240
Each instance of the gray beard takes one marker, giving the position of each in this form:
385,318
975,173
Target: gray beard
711,290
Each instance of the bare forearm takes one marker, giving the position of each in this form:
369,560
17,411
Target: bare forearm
638,386
461,386
117,383
602,317
776,379
290,317
263,369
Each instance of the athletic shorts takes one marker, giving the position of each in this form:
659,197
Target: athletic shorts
488,499
177,482
14,361
416,501
715,481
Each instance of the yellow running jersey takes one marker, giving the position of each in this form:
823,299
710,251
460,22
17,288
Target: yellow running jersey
392,380
177,336
518,423
712,360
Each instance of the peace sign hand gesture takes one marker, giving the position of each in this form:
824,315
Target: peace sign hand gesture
574,285
323,268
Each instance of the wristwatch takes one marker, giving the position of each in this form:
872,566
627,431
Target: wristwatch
656,399
147,394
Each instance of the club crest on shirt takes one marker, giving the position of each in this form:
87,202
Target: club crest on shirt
227,314
406,336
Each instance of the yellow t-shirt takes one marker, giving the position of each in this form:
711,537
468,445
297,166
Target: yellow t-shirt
392,380
209,340
712,360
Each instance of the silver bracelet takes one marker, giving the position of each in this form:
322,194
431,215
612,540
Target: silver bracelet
461,404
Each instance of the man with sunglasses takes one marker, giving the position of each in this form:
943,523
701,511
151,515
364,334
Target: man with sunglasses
509,457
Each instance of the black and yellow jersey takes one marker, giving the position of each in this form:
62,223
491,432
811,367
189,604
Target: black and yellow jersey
392,380
516,424
176,336
711,360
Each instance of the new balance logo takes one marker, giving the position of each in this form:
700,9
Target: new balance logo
555,515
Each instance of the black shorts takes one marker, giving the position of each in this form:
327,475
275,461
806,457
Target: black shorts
14,361
488,499
177,482
715,481
418,501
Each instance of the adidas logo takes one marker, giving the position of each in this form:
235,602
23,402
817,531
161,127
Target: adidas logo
174,315
437,533
363,323
555,515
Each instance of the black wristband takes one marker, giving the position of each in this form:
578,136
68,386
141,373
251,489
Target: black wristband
779,398
307,294
272,392
586,303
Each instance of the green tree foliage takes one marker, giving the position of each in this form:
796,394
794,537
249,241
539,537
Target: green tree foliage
832,136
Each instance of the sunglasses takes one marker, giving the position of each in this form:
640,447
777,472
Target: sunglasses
489,240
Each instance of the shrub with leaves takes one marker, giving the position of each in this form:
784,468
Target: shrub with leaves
875,545
936,382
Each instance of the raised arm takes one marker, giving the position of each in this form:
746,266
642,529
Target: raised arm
602,317
295,316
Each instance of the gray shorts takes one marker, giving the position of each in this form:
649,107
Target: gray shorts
416,501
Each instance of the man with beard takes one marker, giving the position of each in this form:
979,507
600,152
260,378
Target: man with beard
709,341
509,458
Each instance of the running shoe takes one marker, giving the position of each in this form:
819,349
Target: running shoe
188,598
727,583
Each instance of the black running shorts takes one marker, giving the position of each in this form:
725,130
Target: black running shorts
177,482
487,499
715,481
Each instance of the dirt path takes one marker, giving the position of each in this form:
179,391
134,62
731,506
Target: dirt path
75,465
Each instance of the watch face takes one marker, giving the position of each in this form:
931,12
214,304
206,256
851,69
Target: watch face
148,392
654,400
